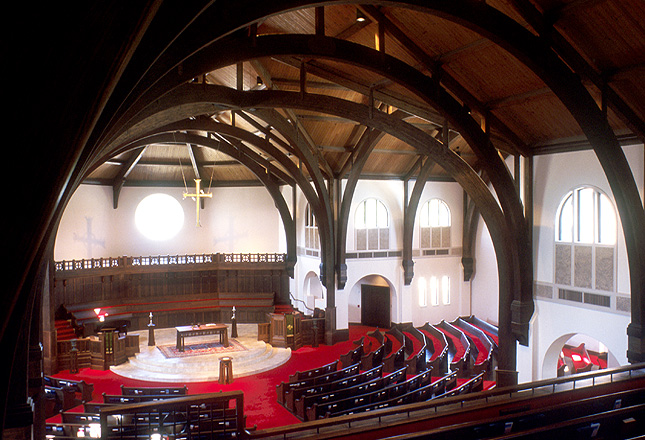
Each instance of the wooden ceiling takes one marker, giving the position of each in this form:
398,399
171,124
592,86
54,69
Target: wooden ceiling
602,41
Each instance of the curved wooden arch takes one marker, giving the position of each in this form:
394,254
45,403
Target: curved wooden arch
248,160
431,91
190,98
534,52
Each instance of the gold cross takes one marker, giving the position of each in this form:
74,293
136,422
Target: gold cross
199,193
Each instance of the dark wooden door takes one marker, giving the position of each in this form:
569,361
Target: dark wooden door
375,306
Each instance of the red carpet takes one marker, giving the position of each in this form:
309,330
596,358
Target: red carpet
260,404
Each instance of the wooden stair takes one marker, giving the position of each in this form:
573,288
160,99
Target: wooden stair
64,330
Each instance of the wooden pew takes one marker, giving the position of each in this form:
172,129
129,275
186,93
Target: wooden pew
429,391
458,348
69,431
154,391
489,329
292,395
376,351
416,356
437,348
314,372
396,358
481,347
59,399
353,356
380,398
136,398
213,415
85,390
474,384
283,387
80,418
310,408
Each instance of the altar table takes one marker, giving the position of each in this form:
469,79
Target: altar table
199,330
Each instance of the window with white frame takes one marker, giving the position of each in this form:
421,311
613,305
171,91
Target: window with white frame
585,242
439,290
434,222
423,292
371,223
312,239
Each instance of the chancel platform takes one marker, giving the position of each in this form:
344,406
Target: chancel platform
199,360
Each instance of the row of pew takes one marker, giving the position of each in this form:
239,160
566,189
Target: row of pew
402,365
63,394
86,423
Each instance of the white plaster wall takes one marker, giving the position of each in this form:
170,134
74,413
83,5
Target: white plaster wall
229,224
485,281
554,322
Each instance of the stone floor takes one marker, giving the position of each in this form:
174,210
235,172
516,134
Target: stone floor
151,365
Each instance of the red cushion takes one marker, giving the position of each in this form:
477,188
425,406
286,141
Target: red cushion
483,352
437,344
460,351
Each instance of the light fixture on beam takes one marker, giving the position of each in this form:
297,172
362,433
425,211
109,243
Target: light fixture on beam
360,17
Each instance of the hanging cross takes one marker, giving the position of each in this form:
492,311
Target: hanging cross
199,194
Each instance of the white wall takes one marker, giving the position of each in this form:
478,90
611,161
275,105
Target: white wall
235,220
554,322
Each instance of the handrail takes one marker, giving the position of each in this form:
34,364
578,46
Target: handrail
208,413
482,396
116,263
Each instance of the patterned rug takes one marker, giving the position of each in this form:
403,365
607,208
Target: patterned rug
170,351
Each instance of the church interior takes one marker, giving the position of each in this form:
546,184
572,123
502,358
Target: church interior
346,219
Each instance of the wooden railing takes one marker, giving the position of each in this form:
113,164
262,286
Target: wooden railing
215,415
353,425
167,260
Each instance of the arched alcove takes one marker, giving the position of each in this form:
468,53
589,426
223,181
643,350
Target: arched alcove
552,356
354,299
313,291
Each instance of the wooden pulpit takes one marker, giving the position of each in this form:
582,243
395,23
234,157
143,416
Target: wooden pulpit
286,330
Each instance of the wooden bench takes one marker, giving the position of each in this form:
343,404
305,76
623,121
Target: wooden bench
59,399
369,401
353,356
283,387
309,407
489,329
135,398
293,395
314,372
395,359
69,431
472,385
296,394
437,347
458,348
80,418
415,349
481,347
154,391
213,415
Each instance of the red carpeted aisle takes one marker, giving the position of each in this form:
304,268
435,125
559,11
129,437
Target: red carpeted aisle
260,404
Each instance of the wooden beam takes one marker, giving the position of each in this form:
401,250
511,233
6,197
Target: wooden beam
120,179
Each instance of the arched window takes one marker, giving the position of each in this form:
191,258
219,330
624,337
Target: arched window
312,239
434,222
585,241
371,222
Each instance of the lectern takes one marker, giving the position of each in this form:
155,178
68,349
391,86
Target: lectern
286,330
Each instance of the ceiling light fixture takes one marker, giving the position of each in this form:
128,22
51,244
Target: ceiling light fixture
360,17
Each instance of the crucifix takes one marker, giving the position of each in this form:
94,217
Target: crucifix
199,194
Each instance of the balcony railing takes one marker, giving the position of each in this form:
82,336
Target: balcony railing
167,260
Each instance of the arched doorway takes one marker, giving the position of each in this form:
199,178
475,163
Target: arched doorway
313,291
574,353
370,302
